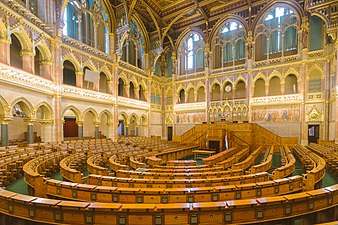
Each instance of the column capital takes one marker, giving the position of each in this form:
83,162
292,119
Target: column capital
80,122
29,121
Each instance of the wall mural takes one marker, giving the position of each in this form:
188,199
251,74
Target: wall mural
188,118
276,114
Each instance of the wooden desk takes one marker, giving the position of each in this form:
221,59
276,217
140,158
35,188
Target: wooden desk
199,153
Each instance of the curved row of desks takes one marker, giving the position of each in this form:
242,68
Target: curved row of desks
85,192
220,212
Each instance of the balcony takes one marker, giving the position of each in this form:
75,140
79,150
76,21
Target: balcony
84,94
23,79
134,103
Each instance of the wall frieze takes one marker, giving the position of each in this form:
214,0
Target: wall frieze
25,80
78,93
274,100
133,103
190,106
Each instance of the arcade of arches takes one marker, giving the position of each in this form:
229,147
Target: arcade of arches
133,68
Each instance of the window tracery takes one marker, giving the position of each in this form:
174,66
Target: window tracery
87,21
277,34
192,53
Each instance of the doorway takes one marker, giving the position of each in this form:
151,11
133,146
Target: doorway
313,133
170,133
70,128
214,145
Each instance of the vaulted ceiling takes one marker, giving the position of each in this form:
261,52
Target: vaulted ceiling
171,17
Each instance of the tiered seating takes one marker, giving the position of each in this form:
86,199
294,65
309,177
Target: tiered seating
288,164
328,152
174,195
251,189
266,163
314,164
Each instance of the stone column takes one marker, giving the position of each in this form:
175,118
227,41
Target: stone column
266,88
303,89
79,79
4,133
97,130
207,99
137,93
327,93
249,96
80,129
282,86
27,61
30,133
126,130
79,17
46,69
4,51
110,87
113,45
57,72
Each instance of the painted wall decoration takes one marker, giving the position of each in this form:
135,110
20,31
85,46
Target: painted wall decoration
276,114
188,118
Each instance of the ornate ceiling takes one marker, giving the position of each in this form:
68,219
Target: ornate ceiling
168,18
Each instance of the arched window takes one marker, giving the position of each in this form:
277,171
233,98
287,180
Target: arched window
103,83
71,20
274,86
69,76
191,96
215,92
277,34
87,84
38,8
229,45
192,54
291,86
201,94
131,90
141,93
316,33
15,52
240,90
37,62
181,98
79,18
133,47
121,88
259,90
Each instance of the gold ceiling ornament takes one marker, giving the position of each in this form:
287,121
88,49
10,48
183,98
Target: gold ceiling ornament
314,115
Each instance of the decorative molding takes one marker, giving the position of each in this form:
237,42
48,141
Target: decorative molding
133,103
74,92
273,100
22,79
132,68
314,115
190,106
